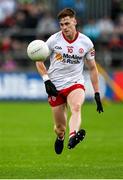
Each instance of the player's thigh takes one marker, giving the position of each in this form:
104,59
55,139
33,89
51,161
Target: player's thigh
59,113
76,98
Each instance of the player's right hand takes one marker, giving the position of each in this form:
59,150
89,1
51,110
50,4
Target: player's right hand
50,88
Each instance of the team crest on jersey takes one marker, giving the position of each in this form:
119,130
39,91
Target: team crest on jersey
81,50
58,57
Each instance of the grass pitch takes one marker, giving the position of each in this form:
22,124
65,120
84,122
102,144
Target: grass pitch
27,144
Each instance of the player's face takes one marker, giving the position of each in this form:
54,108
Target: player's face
68,26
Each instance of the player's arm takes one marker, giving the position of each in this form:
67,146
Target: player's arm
93,74
91,64
50,87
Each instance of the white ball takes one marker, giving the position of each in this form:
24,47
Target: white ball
38,50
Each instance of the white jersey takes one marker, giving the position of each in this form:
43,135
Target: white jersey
67,59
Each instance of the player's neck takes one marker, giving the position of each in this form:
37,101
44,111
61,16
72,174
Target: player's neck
71,38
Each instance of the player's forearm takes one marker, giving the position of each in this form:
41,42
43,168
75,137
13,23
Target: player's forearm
94,79
50,87
95,83
42,70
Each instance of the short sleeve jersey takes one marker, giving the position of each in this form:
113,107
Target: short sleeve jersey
67,59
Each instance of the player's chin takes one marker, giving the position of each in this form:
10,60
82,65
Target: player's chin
67,33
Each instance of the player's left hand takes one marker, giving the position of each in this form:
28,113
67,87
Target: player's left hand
98,102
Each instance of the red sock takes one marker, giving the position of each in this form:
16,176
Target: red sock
72,134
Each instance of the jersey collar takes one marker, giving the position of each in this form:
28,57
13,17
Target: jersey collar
71,41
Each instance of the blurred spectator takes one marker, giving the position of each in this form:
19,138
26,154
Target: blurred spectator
9,64
119,27
22,21
80,8
116,43
103,55
6,44
115,9
61,4
17,31
46,26
7,8
19,53
91,30
106,27
26,1
34,14
116,48
26,20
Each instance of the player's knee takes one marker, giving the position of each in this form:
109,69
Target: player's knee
60,130
76,107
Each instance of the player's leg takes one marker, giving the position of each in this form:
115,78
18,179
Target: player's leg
59,115
60,118
75,100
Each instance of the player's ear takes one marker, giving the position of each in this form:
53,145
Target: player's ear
75,21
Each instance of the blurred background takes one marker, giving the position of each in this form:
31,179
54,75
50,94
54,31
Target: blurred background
22,21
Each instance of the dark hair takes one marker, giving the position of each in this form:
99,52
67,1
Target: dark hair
66,12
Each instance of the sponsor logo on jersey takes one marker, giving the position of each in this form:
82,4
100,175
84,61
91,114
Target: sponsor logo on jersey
68,58
71,59
58,57
73,56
